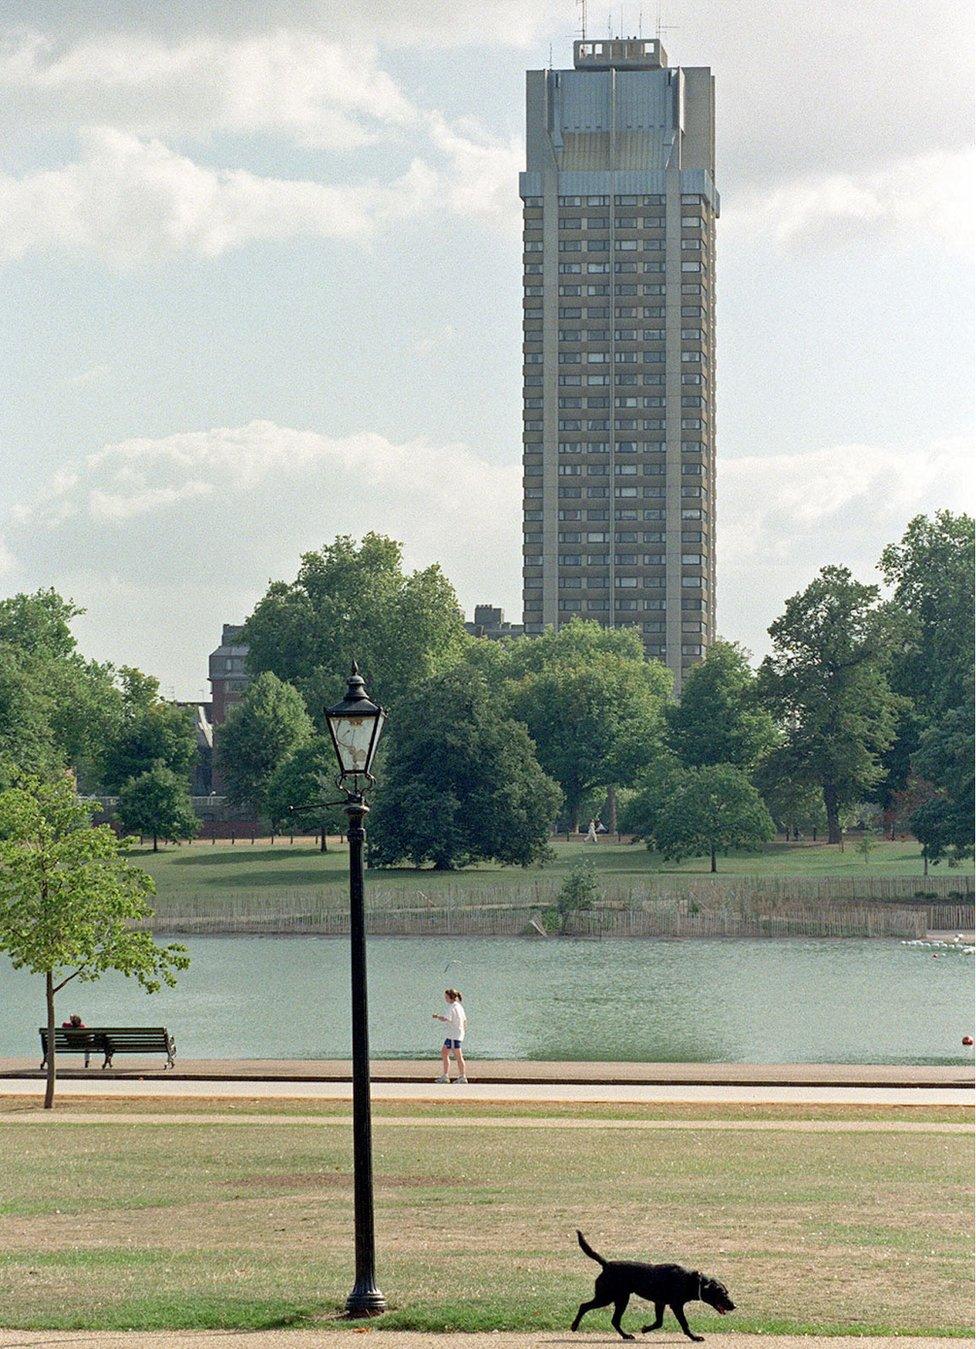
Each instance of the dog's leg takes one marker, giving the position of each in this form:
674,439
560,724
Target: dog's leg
659,1313
589,1307
679,1310
619,1307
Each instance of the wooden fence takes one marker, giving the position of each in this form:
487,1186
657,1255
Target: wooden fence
657,919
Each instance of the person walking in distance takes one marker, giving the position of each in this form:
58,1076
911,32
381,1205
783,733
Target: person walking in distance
456,1022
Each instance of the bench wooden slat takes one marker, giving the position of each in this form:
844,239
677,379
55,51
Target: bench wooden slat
109,1040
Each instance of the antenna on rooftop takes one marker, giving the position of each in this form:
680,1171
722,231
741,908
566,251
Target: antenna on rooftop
663,27
582,13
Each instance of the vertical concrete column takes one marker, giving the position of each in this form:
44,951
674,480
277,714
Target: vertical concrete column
672,378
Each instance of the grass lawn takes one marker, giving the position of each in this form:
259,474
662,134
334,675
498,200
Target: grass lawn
202,872
151,1225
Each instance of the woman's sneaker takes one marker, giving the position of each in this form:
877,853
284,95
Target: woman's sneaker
443,1078
462,1079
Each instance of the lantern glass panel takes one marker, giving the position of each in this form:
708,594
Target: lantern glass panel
355,740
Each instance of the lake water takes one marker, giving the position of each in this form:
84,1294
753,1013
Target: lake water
772,1001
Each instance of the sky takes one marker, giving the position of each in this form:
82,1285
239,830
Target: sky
260,285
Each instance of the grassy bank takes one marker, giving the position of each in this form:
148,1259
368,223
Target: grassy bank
212,871
151,1225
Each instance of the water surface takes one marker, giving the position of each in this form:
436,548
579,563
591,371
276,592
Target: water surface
795,1000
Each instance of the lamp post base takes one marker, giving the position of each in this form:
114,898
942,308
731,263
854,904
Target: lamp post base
365,1300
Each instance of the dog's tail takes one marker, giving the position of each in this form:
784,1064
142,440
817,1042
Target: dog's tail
587,1249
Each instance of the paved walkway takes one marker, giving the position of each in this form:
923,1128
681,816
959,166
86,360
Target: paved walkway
527,1072
392,1339
572,1092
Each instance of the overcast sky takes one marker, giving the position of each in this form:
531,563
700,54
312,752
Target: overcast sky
260,285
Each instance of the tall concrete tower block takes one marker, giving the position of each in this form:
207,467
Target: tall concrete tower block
620,207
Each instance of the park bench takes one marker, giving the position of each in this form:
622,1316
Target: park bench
110,1040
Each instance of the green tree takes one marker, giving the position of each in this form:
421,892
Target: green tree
578,892
56,707
943,823
68,899
932,570
707,809
355,602
593,705
261,731
306,776
157,803
460,783
719,718
931,612
149,733
795,804
826,683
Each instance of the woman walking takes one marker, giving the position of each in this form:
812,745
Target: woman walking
456,1022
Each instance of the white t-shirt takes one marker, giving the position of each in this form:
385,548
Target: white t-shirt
456,1021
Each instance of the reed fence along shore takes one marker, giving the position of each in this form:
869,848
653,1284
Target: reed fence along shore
732,906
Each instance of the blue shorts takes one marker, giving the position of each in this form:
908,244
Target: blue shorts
452,1044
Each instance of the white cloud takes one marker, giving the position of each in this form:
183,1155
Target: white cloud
243,502
483,170
923,199
128,200
297,82
782,517
95,374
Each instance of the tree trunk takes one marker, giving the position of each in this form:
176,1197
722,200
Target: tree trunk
711,854
155,843
925,860
832,807
612,804
576,813
51,1064
323,841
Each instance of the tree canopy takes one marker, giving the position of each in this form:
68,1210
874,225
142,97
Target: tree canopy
931,570
593,705
68,898
355,602
149,733
460,782
826,682
56,707
695,812
719,718
306,776
157,803
260,733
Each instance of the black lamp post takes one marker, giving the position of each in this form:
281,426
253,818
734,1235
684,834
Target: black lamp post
355,725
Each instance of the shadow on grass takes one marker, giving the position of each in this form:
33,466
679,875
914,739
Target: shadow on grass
245,855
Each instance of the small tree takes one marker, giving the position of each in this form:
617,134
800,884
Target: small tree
157,803
68,899
578,892
710,808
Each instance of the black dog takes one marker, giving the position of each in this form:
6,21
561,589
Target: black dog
664,1285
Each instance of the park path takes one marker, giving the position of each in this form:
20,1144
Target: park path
392,1339
72,1088
40,1116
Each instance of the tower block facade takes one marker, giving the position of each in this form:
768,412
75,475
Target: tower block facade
620,205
